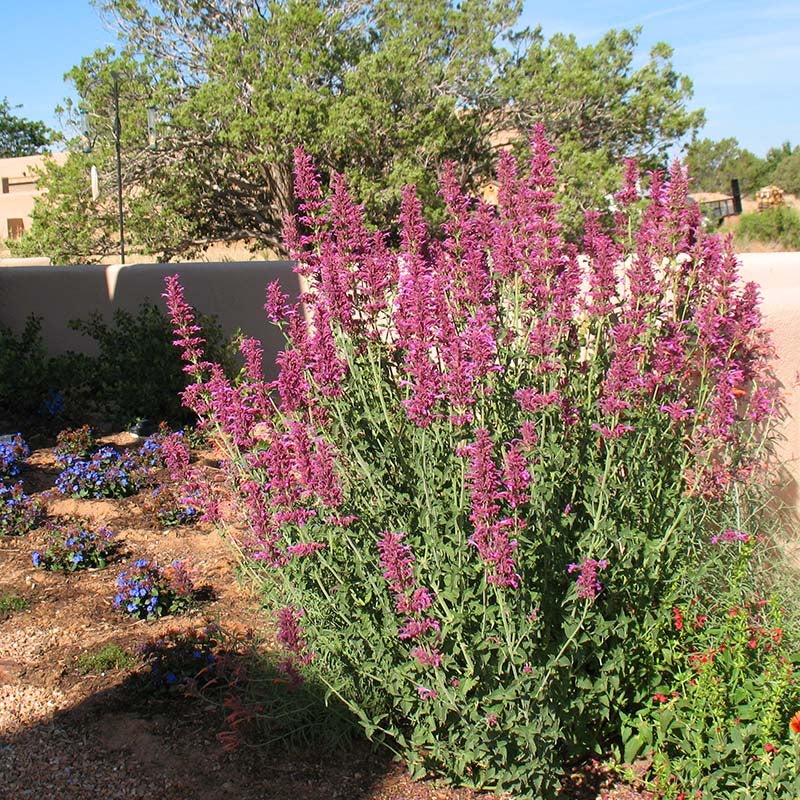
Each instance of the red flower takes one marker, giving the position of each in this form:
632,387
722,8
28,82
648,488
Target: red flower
771,748
677,616
794,722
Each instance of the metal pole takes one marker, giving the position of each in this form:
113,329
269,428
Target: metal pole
117,138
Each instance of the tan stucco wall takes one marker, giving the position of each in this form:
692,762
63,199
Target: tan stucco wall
234,292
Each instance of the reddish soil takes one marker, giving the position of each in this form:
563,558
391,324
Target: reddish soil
66,732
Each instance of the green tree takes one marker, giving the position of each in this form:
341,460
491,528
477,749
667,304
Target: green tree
713,164
787,172
597,107
384,91
20,136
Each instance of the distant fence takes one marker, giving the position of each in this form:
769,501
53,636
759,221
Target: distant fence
231,291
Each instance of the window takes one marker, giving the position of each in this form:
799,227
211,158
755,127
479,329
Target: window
24,184
16,227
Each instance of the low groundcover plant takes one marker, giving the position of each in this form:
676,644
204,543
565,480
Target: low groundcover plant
72,546
148,591
75,442
108,472
488,466
19,512
13,451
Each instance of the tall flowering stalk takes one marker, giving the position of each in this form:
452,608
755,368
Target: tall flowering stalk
486,457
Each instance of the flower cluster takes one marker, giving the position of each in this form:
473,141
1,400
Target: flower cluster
19,512
411,600
150,455
106,473
76,442
148,591
588,583
180,660
71,547
13,451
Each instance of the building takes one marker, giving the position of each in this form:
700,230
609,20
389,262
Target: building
17,193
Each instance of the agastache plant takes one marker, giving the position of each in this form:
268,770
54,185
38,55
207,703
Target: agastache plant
486,456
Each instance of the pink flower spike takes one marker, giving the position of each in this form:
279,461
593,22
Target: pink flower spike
589,585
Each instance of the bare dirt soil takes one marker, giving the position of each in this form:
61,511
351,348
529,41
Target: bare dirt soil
76,733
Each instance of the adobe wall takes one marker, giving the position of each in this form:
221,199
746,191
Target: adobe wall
17,199
233,292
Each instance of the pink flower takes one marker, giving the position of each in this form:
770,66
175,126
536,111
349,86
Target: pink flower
276,305
589,585
427,694
414,628
427,657
290,633
305,548
730,535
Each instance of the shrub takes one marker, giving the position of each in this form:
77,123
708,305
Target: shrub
486,468
780,225
137,372
19,513
36,385
24,370
727,712
13,451
148,591
72,546
106,473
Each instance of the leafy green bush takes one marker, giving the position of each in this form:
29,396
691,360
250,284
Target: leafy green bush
25,370
487,468
780,225
137,373
726,715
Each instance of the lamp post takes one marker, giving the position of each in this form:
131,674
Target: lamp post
151,136
117,148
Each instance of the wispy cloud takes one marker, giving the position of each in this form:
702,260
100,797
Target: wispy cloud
746,60
662,12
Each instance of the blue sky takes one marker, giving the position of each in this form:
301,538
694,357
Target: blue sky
743,56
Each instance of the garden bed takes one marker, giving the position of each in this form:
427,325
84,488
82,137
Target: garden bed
76,722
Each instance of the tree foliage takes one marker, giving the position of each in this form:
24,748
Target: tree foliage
713,164
385,91
597,107
787,172
20,136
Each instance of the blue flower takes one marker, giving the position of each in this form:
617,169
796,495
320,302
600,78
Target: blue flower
36,558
